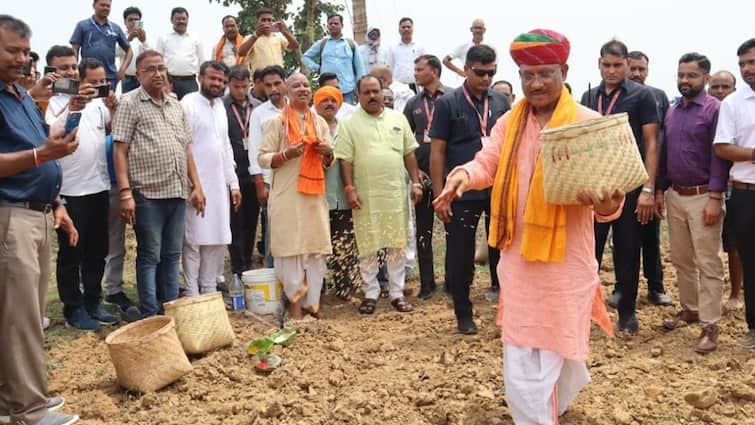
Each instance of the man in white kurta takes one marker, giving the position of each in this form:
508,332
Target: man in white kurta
206,235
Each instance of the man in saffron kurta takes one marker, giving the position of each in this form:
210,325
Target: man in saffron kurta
297,146
548,274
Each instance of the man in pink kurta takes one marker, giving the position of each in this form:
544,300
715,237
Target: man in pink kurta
545,306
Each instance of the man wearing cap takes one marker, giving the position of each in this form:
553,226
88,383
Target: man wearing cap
549,278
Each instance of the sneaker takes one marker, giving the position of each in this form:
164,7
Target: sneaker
613,300
659,298
466,326
53,404
101,316
748,341
55,418
427,292
492,295
81,320
45,323
128,310
629,324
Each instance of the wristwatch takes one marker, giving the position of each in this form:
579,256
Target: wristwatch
418,186
649,190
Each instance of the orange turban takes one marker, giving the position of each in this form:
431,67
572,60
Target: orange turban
540,47
325,92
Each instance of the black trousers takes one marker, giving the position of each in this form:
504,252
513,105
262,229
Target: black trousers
424,218
651,255
84,264
184,86
460,247
344,263
244,227
627,242
742,210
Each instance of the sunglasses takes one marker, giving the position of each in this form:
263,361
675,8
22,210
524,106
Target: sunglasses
483,72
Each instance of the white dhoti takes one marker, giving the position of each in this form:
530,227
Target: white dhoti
302,277
395,261
540,384
200,264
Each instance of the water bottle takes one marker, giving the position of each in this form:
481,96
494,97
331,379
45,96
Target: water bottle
236,293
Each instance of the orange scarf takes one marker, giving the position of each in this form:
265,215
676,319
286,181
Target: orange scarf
311,174
221,43
544,234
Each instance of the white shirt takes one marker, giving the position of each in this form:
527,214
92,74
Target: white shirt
344,111
213,157
401,59
183,53
85,170
401,95
736,125
260,116
137,47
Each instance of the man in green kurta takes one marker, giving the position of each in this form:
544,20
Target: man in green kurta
375,146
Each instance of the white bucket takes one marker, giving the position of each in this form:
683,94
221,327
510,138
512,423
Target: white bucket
262,291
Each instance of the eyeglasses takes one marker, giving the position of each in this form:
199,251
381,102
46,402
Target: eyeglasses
542,76
153,69
483,72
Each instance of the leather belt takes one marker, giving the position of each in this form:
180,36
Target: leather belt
690,190
30,205
183,77
743,186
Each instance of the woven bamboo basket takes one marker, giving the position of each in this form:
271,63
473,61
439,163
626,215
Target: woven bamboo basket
593,154
147,354
201,322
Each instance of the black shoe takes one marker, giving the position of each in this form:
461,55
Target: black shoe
492,295
427,292
128,310
613,300
466,326
659,298
629,324
98,313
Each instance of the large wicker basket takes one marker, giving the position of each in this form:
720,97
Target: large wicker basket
147,354
201,322
591,154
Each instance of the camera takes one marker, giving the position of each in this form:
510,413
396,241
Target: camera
27,68
66,85
102,91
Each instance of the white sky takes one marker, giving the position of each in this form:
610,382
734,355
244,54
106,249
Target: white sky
663,29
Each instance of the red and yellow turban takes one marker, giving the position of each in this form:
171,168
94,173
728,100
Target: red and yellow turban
540,47
325,92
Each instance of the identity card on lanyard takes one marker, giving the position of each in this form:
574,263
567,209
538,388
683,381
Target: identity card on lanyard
484,138
611,105
244,125
429,113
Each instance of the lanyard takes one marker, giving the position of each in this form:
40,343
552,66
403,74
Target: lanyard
429,113
107,34
484,118
244,125
611,105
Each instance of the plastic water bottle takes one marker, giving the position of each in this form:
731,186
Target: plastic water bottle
236,293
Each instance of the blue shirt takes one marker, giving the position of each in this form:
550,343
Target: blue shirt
98,41
22,128
109,152
338,57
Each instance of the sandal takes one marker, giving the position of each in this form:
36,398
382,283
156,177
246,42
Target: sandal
367,306
401,305
384,293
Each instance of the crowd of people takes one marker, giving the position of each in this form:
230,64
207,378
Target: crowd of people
345,171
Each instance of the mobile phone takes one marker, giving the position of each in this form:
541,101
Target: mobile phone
139,24
27,68
50,70
72,121
102,91
66,85
275,27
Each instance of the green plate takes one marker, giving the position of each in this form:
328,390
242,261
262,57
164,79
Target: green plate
266,362
284,337
260,345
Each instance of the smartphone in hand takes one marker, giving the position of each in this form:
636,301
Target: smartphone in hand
102,91
66,85
50,70
275,27
72,121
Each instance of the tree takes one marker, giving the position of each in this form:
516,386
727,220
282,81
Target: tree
308,22
359,9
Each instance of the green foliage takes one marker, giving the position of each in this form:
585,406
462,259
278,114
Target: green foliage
309,20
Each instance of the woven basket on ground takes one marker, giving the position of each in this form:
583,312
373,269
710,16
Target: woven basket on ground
147,354
201,322
592,154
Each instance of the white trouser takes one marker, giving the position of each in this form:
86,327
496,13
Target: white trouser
536,380
201,268
395,261
221,266
302,276
411,247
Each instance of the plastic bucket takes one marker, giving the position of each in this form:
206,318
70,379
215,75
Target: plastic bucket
262,291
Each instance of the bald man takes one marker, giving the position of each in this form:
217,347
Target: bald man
401,93
722,84
460,52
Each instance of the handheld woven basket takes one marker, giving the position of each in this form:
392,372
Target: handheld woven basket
147,354
591,154
202,323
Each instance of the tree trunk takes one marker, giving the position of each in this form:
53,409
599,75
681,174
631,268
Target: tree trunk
360,20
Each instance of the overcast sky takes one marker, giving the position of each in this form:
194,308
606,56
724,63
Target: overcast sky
663,29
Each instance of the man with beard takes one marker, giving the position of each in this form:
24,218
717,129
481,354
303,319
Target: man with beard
735,142
154,166
297,146
183,53
272,78
375,149
651,233
227,48
697,179
614,95
207,234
